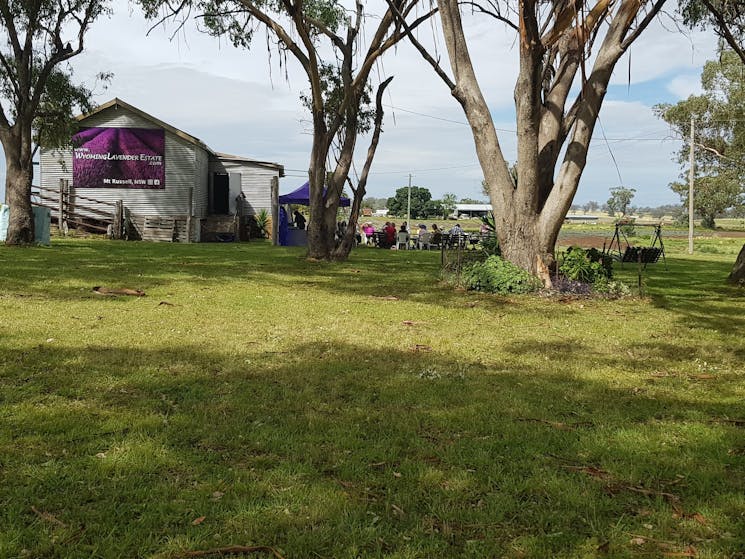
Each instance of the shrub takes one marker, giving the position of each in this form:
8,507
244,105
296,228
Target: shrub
490,245
611,288
263,221
587,267
496,275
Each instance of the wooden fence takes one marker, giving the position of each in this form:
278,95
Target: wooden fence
74,210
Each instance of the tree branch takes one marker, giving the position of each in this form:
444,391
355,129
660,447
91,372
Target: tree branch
725,30
643,25
422,50
496,15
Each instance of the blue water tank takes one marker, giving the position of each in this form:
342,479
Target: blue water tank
42,224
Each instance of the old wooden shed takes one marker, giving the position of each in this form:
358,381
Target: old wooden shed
172,186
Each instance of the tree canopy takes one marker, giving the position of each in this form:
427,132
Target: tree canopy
726,17
37,93
398,204
620,199
719,142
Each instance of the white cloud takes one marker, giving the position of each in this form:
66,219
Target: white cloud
684,85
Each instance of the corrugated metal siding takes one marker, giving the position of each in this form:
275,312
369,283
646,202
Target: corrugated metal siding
256,183
201,185
183,171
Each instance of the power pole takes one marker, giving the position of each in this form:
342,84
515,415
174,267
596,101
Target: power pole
408,209
690,191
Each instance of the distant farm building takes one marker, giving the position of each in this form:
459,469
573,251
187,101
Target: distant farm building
168,184
470,210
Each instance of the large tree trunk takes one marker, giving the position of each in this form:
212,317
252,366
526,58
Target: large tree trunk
323,205
737,275
529,214
18,175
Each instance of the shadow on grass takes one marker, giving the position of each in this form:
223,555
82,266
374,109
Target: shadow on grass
696,290
338,451
71,268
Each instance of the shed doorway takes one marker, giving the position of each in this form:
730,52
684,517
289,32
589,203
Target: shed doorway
220,195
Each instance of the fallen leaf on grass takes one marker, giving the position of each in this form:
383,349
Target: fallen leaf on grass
388,298
397,474
48,517
409,323
697,516
663,374
100,290
229,550
735,422
217,495
590,471
637,541
604,547
166,304
198,521
471,304
420,347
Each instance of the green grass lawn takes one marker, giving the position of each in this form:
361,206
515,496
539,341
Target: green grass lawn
363,409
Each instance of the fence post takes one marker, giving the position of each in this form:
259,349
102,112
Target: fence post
61,207
275,210
117,224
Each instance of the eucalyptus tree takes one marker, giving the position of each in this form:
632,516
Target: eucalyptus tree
338,46
620,199
567,54
719,142
726,17
37,94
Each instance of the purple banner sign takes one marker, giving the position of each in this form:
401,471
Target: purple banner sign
119,158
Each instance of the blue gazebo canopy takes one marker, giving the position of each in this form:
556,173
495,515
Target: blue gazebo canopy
301,196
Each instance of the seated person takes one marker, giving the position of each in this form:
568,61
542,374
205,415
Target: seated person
402,238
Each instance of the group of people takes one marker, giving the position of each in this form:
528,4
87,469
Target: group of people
391,237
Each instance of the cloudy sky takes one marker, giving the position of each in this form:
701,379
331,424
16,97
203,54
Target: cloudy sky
242,102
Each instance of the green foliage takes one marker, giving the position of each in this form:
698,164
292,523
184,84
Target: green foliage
727,18
719,150
448,204
35,79
586,266
489,221
262,221
398,204
496,275
54,124
433,208
611,288
333,96
620,198
490,245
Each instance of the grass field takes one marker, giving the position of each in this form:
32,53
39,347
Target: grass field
363,409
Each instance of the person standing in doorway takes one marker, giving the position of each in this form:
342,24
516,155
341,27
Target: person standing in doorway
299,219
